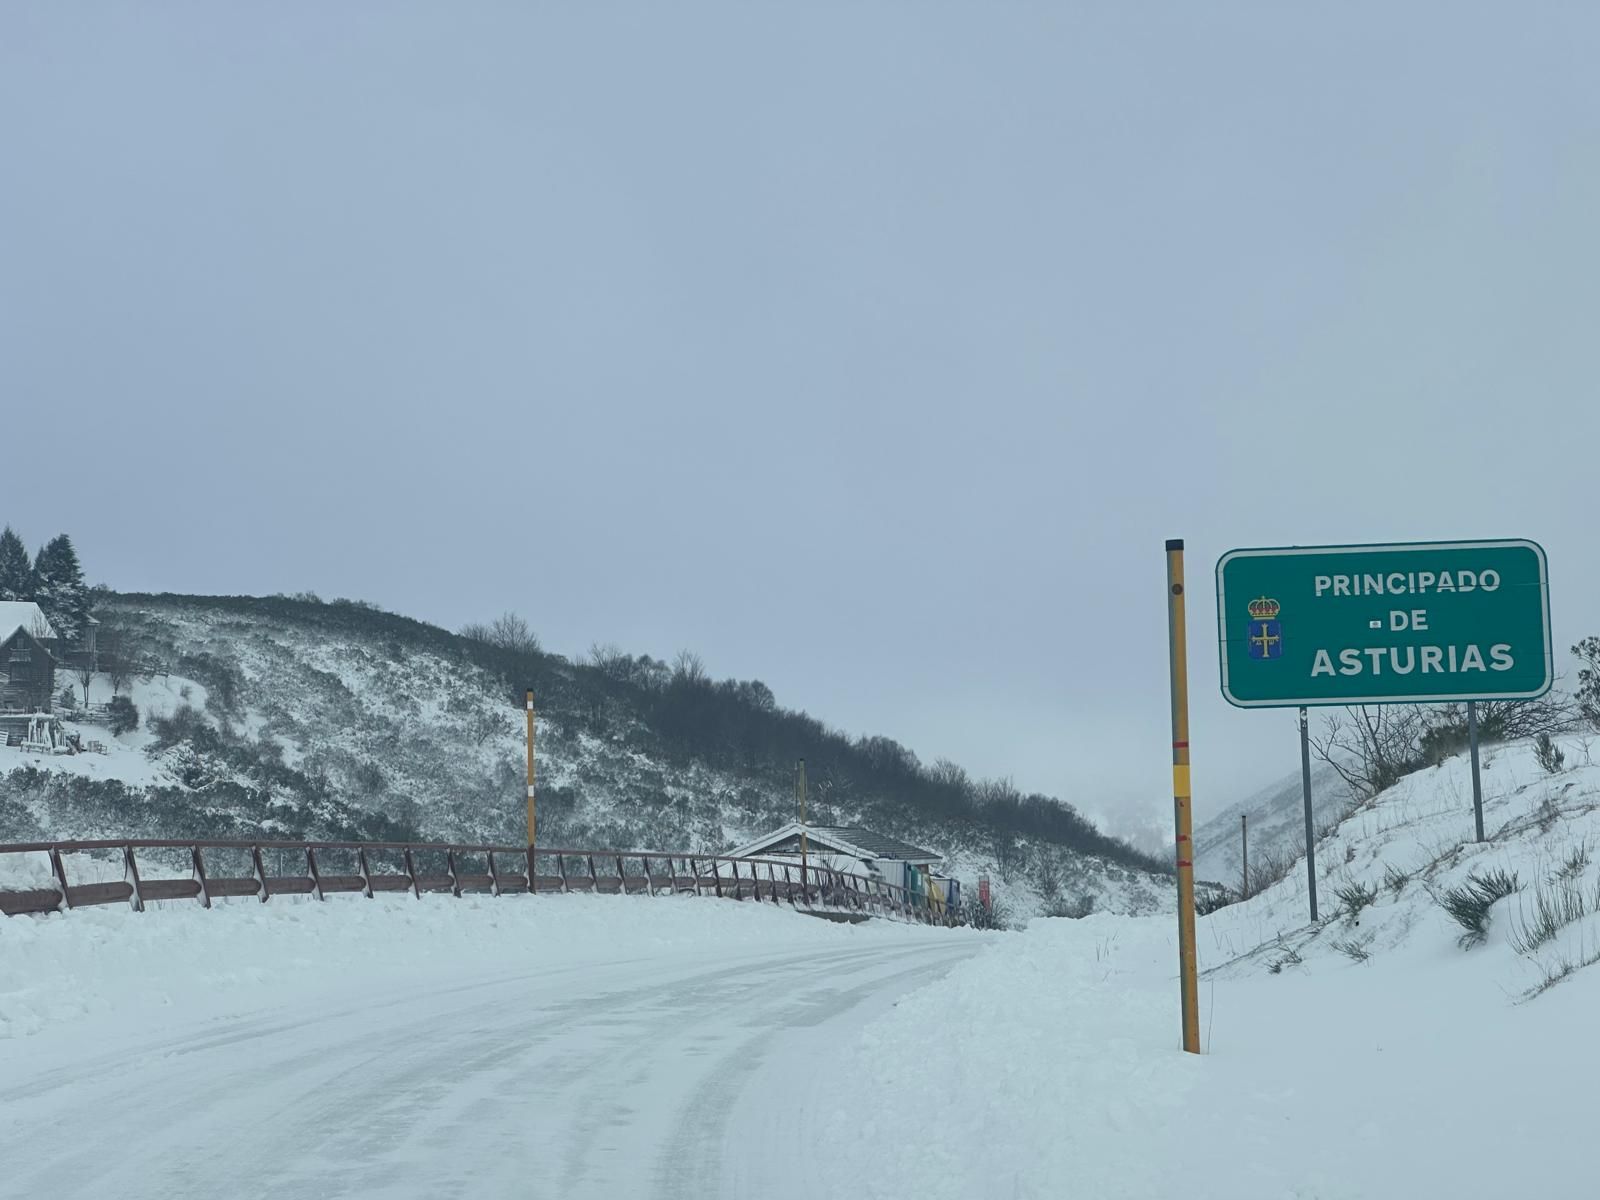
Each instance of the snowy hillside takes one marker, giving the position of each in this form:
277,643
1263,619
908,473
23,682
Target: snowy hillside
1391,874
297,718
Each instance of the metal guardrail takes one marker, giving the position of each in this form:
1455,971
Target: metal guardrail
449,868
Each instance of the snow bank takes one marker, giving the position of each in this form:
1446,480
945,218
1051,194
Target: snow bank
164,966
1368,1055
1049,1066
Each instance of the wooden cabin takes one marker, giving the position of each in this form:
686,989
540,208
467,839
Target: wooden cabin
28,650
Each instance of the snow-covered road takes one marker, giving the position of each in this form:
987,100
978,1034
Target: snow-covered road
658,1076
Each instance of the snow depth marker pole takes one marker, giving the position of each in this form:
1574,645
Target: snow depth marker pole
1178,654
533,821
1477,783
1305,791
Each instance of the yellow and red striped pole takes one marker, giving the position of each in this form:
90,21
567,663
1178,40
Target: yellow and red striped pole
533,826
1178,650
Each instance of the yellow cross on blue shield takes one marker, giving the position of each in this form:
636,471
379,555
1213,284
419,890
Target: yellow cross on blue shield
1266,639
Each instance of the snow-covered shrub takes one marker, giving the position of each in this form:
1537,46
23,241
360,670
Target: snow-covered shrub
1549,754
1353,897
1355,949
1270,867
122,714
1555,906
1395,880
1470,903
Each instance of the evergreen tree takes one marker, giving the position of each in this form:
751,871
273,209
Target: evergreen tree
59,588
16,574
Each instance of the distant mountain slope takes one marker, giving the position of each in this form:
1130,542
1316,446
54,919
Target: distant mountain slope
1276,824
290,716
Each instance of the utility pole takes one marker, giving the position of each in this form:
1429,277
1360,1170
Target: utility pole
800,801
533,823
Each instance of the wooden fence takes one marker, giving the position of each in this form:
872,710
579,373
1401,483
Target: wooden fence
369,868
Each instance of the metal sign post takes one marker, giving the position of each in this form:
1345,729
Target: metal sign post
1183,817
1311,835
1477,783
1244,857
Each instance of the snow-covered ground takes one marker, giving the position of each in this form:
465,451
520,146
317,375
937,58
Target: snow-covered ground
573,1046
674,1047
178,960
1369,1056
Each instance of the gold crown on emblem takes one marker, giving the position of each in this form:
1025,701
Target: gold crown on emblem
1264,608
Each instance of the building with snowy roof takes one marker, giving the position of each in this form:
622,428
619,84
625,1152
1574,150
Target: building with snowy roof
25,614
858,851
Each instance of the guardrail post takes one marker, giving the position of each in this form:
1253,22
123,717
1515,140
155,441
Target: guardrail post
694,869
716,876
311,870
561,865
60,870
594,879
494,877
199,875
788,886
773,880
130,873
411,873
260,871
450,867
366,876
533,879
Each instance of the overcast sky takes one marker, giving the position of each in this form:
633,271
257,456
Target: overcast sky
871,350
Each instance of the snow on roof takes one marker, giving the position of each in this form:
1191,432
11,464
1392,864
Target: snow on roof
844,839
24,614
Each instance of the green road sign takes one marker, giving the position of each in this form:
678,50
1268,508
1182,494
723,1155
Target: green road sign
1386,624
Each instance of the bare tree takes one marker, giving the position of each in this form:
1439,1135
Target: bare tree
85,678
608,659
117,660
1047,872
508,631
1373,745
689,667
950,774
485,724
511,632
1498,721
